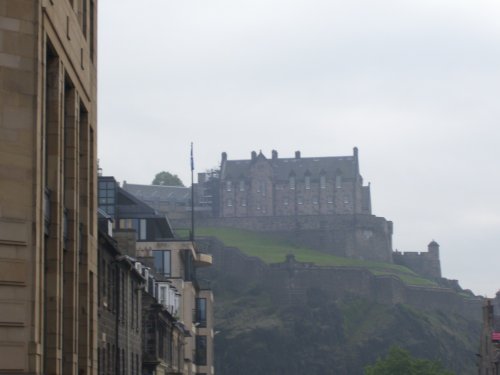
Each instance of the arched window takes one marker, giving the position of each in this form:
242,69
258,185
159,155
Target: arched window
291,181
338,181
307,181
322,181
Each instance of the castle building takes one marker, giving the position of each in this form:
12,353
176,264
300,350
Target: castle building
292,186
48,222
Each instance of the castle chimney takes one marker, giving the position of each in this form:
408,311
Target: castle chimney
224,157
275,154
297,154
254,155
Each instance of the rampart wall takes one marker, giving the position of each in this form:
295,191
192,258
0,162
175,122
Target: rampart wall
356,236
291,281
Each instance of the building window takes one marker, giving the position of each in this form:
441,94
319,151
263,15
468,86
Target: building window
139,225
299,200
201,312
292,182
243,202
308,182
315,200
258,206
285,201
230,203
322,181
107,194
229,185
162,262
201,350
338,181
242,185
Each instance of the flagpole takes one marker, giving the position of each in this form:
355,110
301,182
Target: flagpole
192,193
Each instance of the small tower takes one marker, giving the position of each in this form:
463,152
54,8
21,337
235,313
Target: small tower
433,248
433,256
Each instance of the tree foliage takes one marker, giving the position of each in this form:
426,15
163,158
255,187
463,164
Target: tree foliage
167,179
399,361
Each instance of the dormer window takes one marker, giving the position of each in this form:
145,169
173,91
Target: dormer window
308,182
291,181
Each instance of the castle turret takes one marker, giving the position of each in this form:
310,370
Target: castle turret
433,248
224,156
254,155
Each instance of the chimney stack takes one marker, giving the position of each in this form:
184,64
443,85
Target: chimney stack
297,154
275,154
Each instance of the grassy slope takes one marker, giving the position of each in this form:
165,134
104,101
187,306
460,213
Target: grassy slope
273,250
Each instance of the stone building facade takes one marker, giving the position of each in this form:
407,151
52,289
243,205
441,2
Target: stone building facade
489,343
48,229
292,186
119,311
170,267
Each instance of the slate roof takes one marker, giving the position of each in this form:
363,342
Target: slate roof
159,193
283,167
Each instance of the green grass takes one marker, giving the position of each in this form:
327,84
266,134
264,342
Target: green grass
272,249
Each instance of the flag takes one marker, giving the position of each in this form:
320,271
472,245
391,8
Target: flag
192,159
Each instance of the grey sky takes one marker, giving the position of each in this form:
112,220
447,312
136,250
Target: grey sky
414,85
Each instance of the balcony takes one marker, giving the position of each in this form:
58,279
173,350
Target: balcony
203,260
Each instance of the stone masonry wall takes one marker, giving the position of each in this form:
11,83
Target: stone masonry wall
290,282
358,236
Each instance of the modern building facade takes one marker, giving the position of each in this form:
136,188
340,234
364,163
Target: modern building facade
48,225
292,186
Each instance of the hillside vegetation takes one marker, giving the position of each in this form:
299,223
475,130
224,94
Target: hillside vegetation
325,336
272,249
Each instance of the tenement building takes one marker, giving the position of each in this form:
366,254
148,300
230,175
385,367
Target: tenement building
119,310
276,186
48,229
184,311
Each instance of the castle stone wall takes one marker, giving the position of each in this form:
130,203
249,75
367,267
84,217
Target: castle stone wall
357,236
291,281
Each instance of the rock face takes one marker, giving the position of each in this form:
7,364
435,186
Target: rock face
295,318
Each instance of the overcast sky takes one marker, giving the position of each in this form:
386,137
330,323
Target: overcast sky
414,84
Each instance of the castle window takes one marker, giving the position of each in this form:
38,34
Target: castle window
263,188
299,200
292,182
322,181
258,206
228,185
338,181
242,185
285,201
308,182
230,203
243,202
315,200
330,200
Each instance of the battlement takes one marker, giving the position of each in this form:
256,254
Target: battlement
424,263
